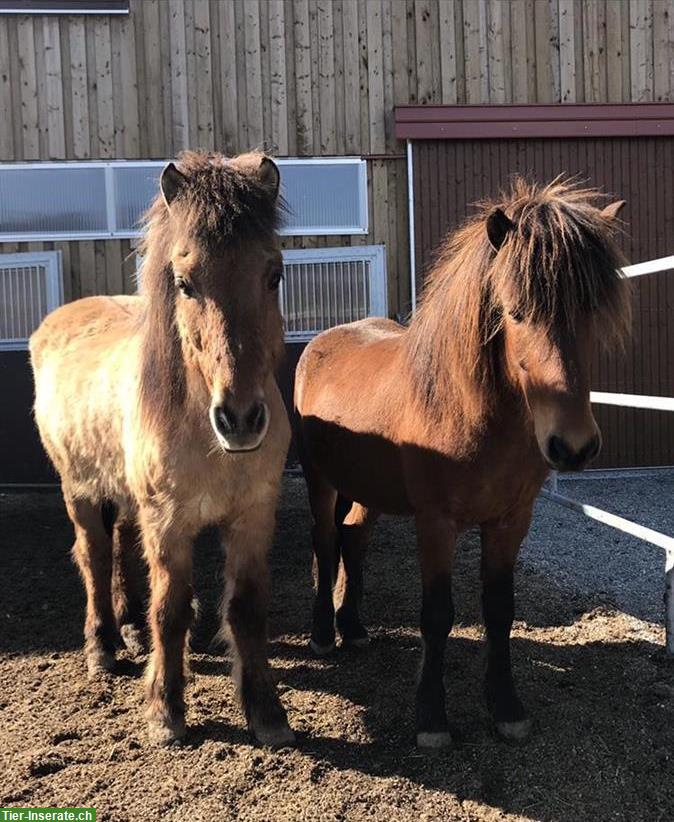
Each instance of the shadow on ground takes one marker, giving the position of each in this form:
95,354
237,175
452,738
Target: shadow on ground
595,679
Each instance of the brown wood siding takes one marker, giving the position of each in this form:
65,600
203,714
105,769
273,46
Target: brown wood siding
307,77
449,175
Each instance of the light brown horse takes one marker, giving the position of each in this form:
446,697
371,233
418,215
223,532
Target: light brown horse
165,406
457,418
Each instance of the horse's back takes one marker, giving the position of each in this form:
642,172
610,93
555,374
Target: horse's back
356,346
83,321
83,359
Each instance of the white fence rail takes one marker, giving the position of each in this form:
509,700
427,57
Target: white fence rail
663,541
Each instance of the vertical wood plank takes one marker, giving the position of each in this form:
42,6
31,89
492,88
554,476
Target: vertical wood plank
661,50
351,77
178,59
253,73
616,52
448,51
424,36
498,47
152,97
128,83
518,27
304,113
326,76
28,83
103,63
279,102
80,94
230,118
6,107
641,50
567,51
54,87
202,47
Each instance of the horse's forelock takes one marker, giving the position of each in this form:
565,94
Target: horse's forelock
561,261
220,205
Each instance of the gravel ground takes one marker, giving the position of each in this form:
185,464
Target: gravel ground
585,556
600,690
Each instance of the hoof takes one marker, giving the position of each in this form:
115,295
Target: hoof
99,664
165,732
321,650
514,731
434,740
132,638
281,736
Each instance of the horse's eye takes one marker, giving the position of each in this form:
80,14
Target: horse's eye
275,278
185,288
516,316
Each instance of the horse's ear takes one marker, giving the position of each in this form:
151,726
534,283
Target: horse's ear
171,182
498,227
270,175
611,211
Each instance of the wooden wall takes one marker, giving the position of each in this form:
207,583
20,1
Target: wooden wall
642,168
305,77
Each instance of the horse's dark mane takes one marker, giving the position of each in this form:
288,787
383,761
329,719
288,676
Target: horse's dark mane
223,204
559,266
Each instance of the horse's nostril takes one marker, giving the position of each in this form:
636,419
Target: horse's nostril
226,420
593,448
256,417
558,451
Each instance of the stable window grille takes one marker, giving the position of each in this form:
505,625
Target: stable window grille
330,286
31,285
100,200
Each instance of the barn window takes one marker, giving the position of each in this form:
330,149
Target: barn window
100,200
31,285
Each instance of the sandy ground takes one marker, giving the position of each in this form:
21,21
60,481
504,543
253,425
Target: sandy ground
587,649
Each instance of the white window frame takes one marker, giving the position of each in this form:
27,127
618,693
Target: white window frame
375,255
114,233
52,263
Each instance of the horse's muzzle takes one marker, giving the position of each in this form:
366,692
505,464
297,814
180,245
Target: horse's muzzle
240,430
562,457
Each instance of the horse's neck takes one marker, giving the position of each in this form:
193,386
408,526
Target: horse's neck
463,399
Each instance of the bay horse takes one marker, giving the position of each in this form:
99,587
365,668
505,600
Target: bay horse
166,407
457,418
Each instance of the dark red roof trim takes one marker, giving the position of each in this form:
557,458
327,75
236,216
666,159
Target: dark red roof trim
536,121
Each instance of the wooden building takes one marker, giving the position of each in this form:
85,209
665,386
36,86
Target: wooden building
143,79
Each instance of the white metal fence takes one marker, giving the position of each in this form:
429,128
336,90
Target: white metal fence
663,541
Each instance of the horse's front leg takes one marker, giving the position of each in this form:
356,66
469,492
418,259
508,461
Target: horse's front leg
500,545
245,605
436,539
169,556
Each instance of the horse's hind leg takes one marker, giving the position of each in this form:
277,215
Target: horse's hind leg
322,498
93,553
500,546
129,577
354,533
